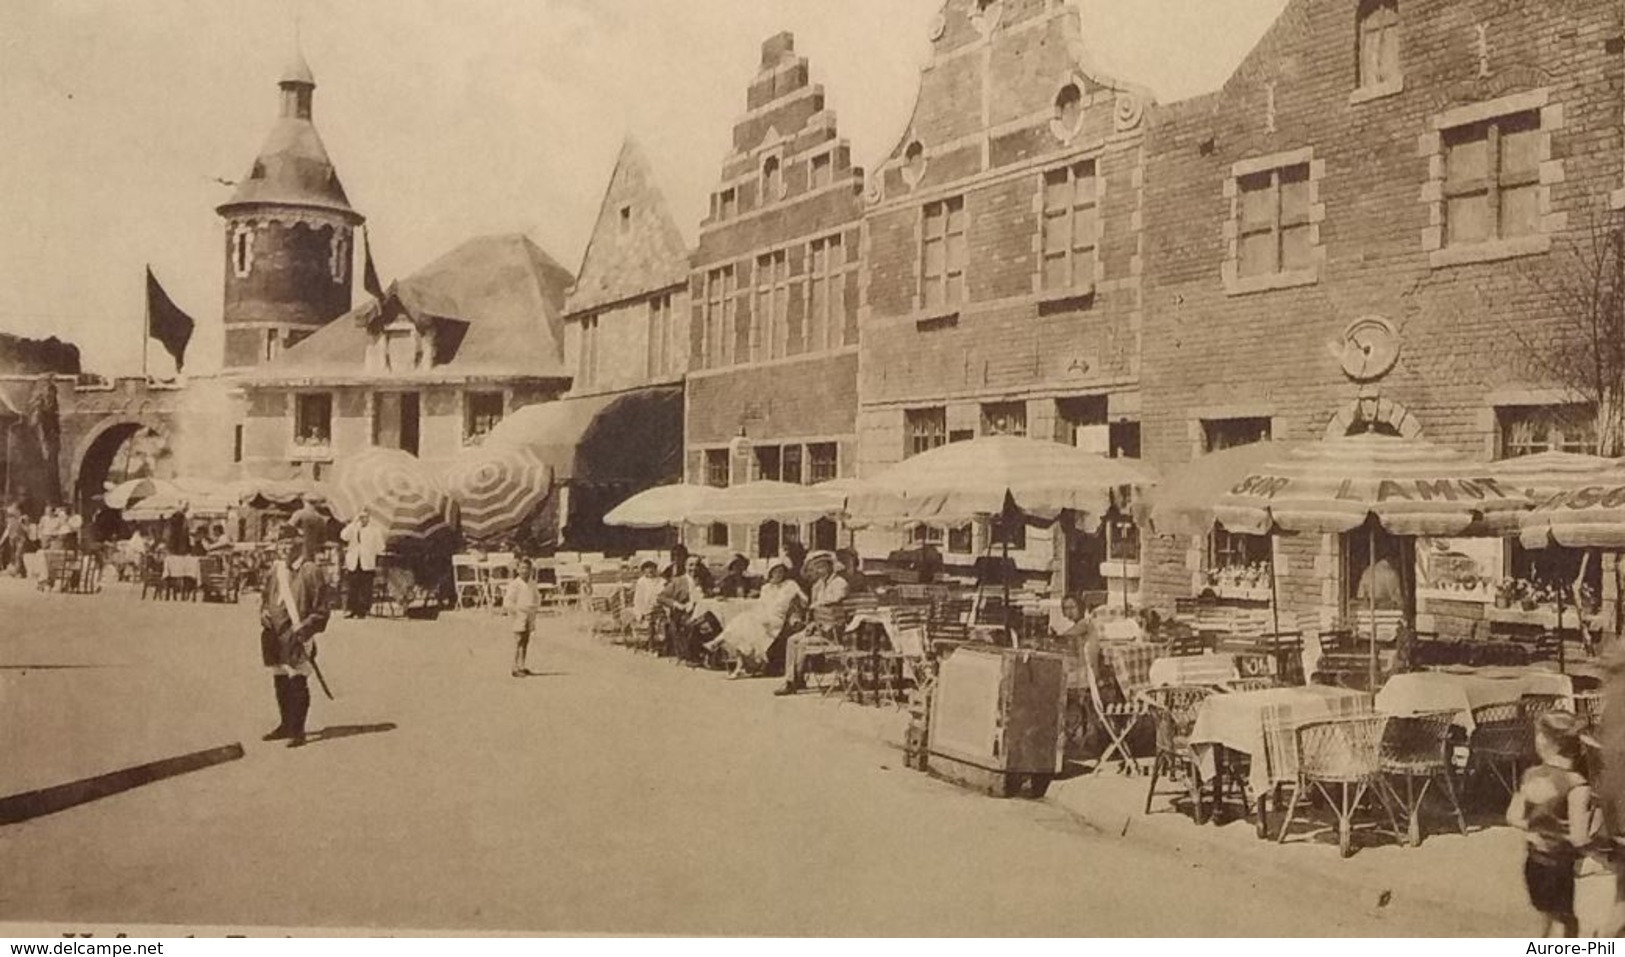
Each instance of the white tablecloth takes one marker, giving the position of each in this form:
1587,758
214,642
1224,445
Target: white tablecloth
1424,691
183,566
1208,669
1260,724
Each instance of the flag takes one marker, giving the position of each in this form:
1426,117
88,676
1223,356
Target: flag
166,322
369,273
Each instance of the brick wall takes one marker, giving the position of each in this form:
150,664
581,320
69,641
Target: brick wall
290,279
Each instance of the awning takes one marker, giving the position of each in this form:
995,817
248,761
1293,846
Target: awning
633,438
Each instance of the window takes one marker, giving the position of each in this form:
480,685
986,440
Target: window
338,256
588,373
313,419
821,171
926,535
960,540
1221,434
716,535
1004,418
481,413
1071,227
1081,422
772,305
716,468
957,540
1069,108
823,462
768,459
242,251
1528,429
626,220
924,430
961,435
1273,222
270,344
1122,540
661,360
1238,551
1379,43
942,254
791,465
772,180
914,163
720,310
727,204
1492,179
1012,533
826,295
1125,439
236,443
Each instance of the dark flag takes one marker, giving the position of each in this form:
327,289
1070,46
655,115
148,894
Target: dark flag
369,273
166,322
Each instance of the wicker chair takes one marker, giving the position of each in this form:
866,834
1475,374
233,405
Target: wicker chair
1346,754
1588,708
1417,747
1499,743
1173,711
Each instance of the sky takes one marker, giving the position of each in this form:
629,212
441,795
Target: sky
446,120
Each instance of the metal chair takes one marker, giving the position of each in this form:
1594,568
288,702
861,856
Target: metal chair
1417,747
467,581
1173,710
1499,742
1346,754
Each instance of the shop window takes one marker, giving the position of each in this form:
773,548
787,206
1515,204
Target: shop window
1071,228
825,535
1221,434
1528,429
1378,65
961,435
1492,180
926,535
482,411
823,462
716,468
943,253
313,419
924,429
1122,540
1004,418
1273,222
961,539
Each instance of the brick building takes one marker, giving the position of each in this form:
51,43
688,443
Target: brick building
773,334
1003,263
1362,229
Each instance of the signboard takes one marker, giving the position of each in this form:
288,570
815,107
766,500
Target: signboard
1459,569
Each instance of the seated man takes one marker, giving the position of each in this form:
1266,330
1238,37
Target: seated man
828,592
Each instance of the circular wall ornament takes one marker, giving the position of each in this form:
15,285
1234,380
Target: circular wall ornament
1127,112
1369,348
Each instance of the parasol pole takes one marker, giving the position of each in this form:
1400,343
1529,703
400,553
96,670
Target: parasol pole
1275,611
1371,598
1560,640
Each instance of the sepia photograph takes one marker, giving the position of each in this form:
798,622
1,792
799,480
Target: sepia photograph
812,468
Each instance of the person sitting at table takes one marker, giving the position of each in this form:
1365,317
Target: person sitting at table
735,583
677,601
850,567
828,593
750,634
216,540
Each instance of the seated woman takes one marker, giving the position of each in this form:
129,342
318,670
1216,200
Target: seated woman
829,591
750,634
735,583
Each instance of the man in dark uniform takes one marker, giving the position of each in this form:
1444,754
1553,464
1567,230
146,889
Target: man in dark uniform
293,611
312,526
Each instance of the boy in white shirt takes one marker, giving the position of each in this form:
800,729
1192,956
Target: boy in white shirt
646,596
519,602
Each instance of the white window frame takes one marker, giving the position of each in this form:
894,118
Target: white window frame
242,250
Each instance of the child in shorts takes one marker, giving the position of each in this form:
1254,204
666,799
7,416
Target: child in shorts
519,602
1553,808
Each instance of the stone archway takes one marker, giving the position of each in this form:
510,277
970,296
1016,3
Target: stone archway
93,456
1374,414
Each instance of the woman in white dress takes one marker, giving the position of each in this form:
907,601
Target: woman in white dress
749,635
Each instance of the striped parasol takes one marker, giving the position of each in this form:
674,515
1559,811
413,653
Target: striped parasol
1592,516
403,496
1409,486
496,487
1548,475
661,506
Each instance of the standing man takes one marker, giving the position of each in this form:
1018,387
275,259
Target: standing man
312,527
293,611
363,543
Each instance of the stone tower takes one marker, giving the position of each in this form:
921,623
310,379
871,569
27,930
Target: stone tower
289,236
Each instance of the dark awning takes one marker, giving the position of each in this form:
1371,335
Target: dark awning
627,438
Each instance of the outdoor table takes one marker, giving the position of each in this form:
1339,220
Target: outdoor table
1461,691
1261,725
1208,669
725,609
1130,662
183,566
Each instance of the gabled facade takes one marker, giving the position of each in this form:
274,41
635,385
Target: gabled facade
1368,228
774,303
1004,262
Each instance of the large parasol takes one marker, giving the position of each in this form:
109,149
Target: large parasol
403,496
981,478
1407,486
1183,502
770,502
496,487
661,506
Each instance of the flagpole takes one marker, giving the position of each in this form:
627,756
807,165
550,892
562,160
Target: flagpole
146,331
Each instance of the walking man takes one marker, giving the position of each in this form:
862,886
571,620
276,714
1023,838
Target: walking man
363,543
293,611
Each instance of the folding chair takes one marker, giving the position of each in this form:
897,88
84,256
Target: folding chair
467,581
497,572
1118,719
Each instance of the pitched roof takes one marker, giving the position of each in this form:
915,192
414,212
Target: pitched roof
644,254
497,303
293,168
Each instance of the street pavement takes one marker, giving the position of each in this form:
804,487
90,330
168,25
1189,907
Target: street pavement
611,793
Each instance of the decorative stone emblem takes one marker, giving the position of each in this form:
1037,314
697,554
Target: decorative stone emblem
1128,112
1369,348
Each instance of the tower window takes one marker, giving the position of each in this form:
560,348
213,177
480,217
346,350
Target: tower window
626,220
242,251
338,261
258,172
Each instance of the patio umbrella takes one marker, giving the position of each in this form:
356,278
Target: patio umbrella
125,494
199,497
496,487
770,502
981,478
661,506
403,495
275,493
1407,486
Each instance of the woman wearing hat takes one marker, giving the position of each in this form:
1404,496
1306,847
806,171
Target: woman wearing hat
828,593
749,636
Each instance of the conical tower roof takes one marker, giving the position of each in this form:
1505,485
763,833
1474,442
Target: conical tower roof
293,168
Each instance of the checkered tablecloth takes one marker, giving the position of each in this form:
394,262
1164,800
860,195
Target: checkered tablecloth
1424,691
1208,669
1261,724
1130,663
